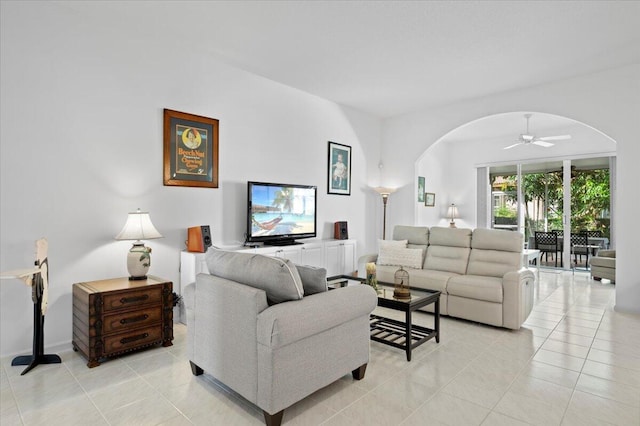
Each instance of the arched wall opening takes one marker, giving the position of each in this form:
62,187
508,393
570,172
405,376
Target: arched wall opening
450,165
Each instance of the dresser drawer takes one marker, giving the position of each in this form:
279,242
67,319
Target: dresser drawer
134,298
122,342
114,316
143,317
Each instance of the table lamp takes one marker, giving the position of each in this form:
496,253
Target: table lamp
138,227
385,192
452,214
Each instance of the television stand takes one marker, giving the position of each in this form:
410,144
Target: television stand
282,243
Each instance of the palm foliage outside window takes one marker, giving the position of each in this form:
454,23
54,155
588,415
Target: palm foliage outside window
543,200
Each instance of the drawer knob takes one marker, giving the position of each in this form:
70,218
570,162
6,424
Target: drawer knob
126,340
134,319
134,299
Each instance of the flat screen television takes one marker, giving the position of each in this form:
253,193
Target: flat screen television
278,213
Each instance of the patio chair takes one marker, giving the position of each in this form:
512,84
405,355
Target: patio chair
579,245
560,232
547,242
594,234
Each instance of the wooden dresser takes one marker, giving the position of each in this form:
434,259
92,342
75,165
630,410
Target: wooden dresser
116,316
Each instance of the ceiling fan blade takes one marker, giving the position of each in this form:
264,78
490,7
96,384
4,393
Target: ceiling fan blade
542,143
511,146
555,138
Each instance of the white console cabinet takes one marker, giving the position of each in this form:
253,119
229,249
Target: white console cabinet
293,253
340,257
337,256
312,254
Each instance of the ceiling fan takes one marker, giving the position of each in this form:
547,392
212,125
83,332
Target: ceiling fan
531,139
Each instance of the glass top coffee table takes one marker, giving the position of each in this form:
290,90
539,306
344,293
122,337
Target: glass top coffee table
400,334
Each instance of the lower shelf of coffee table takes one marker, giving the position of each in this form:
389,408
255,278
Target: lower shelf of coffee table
394,333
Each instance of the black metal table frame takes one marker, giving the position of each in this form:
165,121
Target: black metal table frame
388,331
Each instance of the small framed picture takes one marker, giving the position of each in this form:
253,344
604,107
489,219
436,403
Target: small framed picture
339,169
421,189
190,150
429,199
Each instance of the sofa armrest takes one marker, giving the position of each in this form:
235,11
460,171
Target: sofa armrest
289,322
517,290
606,253
362,262
221,332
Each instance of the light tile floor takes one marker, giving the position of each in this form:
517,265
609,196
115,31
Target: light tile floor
575,362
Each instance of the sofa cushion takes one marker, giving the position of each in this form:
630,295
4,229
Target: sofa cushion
287,323
476,287
278,277
422,248
314,279
495,239
448,259
493,263
392,244
411,258
450,237
430,279
495,252
418,235
603,262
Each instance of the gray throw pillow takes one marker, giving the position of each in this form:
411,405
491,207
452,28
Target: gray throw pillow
314,279
279,278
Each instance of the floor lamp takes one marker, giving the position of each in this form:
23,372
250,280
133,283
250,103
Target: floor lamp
385,192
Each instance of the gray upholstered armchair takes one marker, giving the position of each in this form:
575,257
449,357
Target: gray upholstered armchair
603,265
272,332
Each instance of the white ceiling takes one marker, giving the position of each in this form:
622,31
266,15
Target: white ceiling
391,57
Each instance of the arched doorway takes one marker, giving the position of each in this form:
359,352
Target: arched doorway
470,154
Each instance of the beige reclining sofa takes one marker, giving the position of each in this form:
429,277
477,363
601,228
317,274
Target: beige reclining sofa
479,272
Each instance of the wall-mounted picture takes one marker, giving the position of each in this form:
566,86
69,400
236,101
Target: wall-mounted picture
429,199
190,150
339,169
421,189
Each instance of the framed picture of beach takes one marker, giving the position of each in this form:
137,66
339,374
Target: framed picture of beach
190,150
429,199
339,169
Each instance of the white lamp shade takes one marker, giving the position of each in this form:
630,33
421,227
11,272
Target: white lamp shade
138,227
384,191
452,212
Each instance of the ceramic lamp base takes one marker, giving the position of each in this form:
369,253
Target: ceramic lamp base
138,261
137,278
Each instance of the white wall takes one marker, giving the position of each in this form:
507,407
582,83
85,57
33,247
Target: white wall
81,145
608,101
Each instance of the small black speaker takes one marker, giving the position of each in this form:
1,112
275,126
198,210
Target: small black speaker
340,231
198,238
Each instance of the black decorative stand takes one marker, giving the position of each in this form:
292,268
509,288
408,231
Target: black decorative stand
38,356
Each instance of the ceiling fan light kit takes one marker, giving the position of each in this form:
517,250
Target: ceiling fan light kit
531,139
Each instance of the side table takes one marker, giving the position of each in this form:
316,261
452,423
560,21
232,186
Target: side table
531,254
115,316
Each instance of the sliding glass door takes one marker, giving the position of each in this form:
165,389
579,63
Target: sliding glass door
532,197
504,197
543,195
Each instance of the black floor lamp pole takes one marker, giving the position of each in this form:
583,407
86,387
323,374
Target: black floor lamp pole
385,197
385,192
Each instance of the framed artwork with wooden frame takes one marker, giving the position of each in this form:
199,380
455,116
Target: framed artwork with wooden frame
190,150
429,199
339,169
